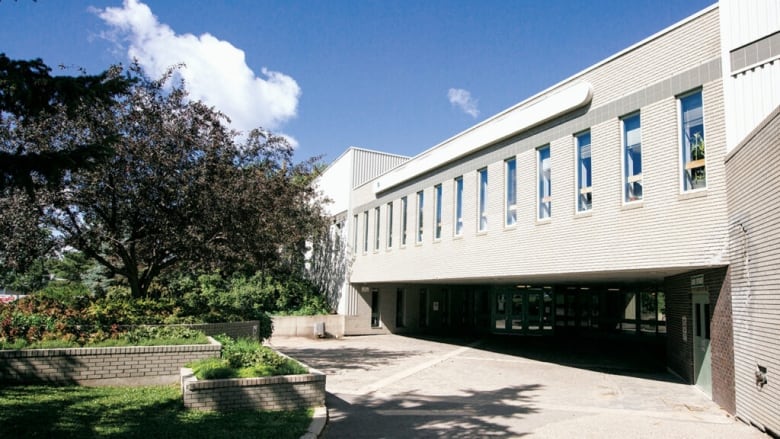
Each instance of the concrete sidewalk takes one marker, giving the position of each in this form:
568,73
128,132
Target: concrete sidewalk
393,386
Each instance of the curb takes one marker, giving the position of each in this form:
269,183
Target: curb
318,422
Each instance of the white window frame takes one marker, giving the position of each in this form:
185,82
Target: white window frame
355,234
365,232
510,192
420,223
542,196
686,161
377,228
458,212
633,179
404,220
580,190
438,192
389,221
482,193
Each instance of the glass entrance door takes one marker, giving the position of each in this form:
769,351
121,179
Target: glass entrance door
702,364
524,311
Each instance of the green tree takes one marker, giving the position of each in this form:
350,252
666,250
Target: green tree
182,191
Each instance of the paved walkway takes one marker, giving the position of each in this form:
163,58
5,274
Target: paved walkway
391,386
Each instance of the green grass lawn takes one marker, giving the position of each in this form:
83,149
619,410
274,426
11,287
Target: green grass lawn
131,412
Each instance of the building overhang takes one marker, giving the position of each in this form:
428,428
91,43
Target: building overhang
499,127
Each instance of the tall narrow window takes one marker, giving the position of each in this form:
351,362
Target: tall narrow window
365,231
404,211
482,202
389,225
510,167
584,173
437,227
692,121
458,206
420,206
632,158
376,228
545,182
355,233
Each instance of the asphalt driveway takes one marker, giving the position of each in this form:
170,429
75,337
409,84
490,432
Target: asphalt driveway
390,386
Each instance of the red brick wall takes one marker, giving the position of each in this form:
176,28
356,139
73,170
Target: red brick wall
722,341
679,353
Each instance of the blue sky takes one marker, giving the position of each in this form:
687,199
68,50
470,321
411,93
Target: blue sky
395,76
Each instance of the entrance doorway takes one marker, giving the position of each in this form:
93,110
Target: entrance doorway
523,310
702,364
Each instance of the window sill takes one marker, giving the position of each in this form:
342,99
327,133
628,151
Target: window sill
540,222
457,236
694,193
482,232
638,204
510,227
584,214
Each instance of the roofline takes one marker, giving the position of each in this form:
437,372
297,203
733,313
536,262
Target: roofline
530,100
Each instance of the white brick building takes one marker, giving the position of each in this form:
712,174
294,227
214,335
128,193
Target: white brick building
600,207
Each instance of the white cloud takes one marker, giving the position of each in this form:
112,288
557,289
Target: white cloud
215,71
462,99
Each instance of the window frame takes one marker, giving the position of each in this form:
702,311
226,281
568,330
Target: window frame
365,232
583,196
355,232
686,162
543,197
420,223
377,228
458,211
482,193
630,179
438,192
404,219
389,221
510,192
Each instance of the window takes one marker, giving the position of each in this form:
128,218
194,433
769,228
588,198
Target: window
437,190
584,173
692,121
510,167
458,206
482,202
355,233
375,319
399,308
390,225
365,231
404,211
632,158
376,228
545,182
420,206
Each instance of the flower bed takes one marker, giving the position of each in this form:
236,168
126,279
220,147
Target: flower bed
285,392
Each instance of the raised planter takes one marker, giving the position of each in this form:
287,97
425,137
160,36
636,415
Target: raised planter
286,392
131,365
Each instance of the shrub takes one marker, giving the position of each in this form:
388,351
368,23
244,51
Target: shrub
244,358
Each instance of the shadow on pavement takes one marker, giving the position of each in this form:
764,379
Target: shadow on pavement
475,414
627,357
344,358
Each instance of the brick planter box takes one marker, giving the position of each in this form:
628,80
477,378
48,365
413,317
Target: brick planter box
131,365
286,392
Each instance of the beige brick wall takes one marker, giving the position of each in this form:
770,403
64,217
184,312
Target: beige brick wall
271,393
93,365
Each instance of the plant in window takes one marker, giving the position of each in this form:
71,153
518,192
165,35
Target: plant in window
697,171
697,147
